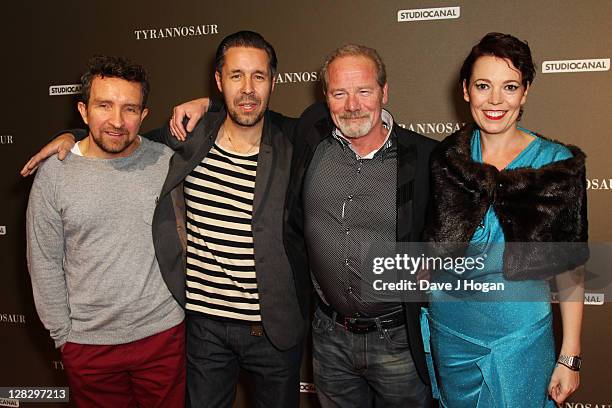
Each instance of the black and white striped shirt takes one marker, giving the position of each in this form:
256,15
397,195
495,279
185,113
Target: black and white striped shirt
221,279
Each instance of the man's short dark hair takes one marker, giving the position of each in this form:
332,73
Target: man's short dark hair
104,66
249,39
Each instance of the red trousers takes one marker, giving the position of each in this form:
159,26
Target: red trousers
145,373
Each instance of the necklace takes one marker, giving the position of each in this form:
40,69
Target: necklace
252,148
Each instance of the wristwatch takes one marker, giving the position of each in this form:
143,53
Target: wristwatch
571,362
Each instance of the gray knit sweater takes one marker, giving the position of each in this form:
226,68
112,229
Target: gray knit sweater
90,251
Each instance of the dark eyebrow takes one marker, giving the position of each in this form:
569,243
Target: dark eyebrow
239,71
102,101
99,101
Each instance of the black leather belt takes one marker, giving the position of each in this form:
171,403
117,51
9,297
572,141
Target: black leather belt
361,325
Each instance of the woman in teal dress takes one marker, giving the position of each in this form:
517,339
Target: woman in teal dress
494,182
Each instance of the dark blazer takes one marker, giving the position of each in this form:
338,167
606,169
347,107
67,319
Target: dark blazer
314,126
283,306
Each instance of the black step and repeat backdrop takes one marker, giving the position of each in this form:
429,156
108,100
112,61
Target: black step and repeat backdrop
45,47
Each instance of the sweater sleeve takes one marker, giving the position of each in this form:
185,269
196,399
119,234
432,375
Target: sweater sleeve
45,252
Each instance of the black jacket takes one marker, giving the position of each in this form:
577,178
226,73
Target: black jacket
314,126
283,307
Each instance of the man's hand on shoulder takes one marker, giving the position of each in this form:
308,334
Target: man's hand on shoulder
61,146
194,110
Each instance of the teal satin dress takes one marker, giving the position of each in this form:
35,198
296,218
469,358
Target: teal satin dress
498,354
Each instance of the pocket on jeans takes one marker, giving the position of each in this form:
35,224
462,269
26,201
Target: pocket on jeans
64,347
320,323
396,336
69,350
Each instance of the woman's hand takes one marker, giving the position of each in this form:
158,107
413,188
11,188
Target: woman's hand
563,383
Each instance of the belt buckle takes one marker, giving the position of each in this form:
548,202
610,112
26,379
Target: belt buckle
256,330
350,325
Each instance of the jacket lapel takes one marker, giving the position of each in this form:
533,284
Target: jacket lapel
193,150
406,172
265,164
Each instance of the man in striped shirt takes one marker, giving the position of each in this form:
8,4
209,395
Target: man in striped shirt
226,325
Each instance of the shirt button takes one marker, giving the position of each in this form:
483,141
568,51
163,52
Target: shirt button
350,198
347,231
349,289
346,262
358,169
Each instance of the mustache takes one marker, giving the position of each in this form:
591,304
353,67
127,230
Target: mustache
121,130
248,99
355,115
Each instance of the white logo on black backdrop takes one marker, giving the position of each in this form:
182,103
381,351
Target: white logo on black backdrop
2,229
439,13
70,89
433,128
584,65
6,402
172,32
12,318
599,184
293,77
308,388
6,139
596,299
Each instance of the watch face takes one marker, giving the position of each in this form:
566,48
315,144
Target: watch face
573,362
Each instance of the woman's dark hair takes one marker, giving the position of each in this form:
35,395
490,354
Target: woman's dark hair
104,66
501,46
249,39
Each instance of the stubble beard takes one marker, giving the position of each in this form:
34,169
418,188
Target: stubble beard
113,147
249,119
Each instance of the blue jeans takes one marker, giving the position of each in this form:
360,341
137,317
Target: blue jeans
216,350
364,370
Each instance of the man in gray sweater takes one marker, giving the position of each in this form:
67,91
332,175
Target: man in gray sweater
95,276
